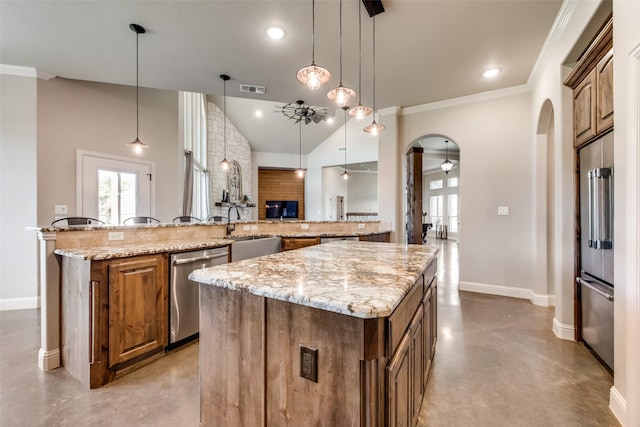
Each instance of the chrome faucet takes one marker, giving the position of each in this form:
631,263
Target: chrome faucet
231,227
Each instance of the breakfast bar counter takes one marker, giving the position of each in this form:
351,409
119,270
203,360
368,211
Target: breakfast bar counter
335,334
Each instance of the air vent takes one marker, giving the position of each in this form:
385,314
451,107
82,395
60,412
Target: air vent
342,149
252,89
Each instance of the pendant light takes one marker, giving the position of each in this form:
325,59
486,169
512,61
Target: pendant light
224,163
360,111
345,174
137,146
300,171
313,75
447,165
374,128
341,95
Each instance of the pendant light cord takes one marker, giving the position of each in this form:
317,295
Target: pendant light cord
137,87
300,147
374,66
224,118
360,52
345,140
313,31
340,42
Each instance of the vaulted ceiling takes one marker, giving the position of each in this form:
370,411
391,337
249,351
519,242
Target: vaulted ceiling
426,51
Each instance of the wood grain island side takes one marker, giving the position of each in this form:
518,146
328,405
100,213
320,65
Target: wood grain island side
369,309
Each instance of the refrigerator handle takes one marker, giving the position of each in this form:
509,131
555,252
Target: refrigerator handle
591,189
604,221
587,284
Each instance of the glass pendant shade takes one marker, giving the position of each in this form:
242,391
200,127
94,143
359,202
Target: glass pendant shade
374,129
341,95
137,146
360,112
224,164
446,166
345,175
313,76
300,173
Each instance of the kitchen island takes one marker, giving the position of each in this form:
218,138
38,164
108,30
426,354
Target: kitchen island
335,334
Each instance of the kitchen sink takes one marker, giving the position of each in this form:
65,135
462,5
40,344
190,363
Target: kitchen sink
245,247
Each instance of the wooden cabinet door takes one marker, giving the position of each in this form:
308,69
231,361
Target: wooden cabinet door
604,93
584,109
426,334
418,361
137,307
380,237
434,316
290,243
399,386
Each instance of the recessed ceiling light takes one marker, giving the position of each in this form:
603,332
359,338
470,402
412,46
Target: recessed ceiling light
330,120
275,32
490,73
258,113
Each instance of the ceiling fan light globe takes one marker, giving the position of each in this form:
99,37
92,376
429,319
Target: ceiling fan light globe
313,76
360,112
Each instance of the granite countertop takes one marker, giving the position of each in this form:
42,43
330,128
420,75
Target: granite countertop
110,252
359,279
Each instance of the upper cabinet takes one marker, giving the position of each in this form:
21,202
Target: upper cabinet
592,84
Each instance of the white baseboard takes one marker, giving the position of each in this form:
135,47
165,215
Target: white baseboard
19,303
48,360
562,331
508,291
618,405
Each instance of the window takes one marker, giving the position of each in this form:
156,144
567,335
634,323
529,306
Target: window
436,184
435,204
116,196
195,141
452,182
452,211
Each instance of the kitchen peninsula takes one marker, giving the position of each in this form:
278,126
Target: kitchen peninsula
82,271
335,334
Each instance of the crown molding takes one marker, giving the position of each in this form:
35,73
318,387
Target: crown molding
16,70
514,90
559,25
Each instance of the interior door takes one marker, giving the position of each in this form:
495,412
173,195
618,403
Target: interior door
113,189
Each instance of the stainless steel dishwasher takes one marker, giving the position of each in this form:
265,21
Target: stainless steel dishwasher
184,295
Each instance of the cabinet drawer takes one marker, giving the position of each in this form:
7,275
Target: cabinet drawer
289,243
402,315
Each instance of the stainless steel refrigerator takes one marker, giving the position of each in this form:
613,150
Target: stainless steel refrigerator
596,247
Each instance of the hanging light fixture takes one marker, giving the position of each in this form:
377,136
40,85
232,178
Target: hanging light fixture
224,163
360,111
300,171
137,146
345,174
447,165
341,95
374,128
313,75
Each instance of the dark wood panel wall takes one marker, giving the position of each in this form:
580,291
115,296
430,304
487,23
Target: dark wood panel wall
414,195
279,184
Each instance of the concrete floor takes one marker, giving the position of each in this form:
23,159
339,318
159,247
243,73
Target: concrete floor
497,363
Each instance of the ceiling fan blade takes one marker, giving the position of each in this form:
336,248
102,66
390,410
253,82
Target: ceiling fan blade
316,118
307,120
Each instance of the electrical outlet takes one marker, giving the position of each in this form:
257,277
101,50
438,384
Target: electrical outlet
503,210
254,227
304,226
60,209
309,363
360,225
116,235
246,227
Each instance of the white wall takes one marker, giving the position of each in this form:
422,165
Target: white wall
333,185
361,148
74,114
362,192
18,189
494,140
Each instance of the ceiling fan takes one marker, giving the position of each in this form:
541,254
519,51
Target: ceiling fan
300,111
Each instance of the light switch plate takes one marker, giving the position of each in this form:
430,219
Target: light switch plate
360,225
60,209
116,235
246,227
503,210
254,227
304,226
